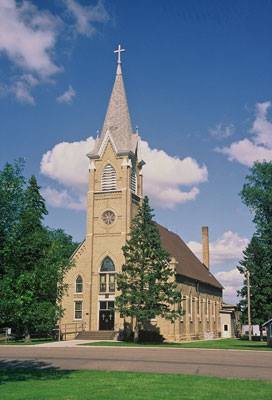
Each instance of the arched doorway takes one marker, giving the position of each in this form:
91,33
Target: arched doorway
106,315
107,289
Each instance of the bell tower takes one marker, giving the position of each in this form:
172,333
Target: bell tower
115,190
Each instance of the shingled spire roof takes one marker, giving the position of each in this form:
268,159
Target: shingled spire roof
117,123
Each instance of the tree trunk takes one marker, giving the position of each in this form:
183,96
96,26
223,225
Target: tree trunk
261,332
136,332
27,336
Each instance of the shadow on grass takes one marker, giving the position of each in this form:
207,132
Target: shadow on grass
253,346
22,370
20,342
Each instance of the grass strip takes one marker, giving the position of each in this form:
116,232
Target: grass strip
227,344
51,384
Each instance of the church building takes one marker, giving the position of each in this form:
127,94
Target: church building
115,190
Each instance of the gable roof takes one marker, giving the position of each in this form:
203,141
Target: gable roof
267,322
188,264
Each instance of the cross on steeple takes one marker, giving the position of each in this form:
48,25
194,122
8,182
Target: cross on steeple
119,51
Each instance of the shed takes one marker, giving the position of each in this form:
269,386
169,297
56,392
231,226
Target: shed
268,326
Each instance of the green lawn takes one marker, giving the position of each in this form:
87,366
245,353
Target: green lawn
100,385
235,344
22,342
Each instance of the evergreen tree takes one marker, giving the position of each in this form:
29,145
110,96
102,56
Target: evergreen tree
257,195
256,263
147,281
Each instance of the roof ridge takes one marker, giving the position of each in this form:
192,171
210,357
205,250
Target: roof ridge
188,264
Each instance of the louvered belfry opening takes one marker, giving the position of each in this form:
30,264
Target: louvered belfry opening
133,180
108,182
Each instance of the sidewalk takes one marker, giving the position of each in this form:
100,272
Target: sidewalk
67,343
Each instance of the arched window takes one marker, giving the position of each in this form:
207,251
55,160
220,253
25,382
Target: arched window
107,276
79,284
108,181
107,265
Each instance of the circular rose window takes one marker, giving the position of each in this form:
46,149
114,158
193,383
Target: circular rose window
108,217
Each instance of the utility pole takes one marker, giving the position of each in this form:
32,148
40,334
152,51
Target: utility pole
248,306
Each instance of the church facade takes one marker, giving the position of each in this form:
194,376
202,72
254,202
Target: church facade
115,190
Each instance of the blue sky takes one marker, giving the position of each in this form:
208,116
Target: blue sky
198,78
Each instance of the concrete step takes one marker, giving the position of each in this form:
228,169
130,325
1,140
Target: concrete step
96,335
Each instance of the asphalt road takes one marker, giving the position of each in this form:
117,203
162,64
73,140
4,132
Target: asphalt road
223,363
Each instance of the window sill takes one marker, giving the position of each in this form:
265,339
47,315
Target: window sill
108,293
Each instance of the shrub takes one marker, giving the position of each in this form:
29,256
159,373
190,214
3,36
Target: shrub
255,338
150,337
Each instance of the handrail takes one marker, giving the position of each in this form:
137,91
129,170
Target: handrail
71,328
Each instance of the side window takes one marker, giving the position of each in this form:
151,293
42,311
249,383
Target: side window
78,309
103,286
111,282
108,180
79,284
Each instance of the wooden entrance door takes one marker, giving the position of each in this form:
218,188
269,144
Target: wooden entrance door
106,316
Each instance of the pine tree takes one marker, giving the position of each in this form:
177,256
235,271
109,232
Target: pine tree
256,263
257,195
147,281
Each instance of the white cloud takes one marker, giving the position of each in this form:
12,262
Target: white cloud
246,152
259,147
229,247
22,92
168,197
28,39
67,96
222,131
262,127
164,174
22,88
28,36
86,16
226,250
62,199
232,281
67,164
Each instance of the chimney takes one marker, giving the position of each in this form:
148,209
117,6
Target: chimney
205,247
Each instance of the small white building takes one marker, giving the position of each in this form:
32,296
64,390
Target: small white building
268,327
255,329
230,321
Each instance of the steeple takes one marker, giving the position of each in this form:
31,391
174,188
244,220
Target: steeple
117,123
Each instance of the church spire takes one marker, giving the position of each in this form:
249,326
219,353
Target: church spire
117,123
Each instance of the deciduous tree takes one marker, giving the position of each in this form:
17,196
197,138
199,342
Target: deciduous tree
35,259
12,184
